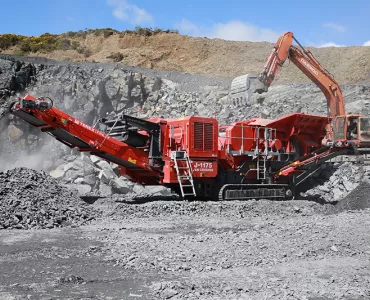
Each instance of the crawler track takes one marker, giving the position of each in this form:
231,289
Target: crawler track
255,191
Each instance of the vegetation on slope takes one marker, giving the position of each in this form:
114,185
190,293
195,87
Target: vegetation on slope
66,41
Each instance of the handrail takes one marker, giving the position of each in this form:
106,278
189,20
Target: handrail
269,135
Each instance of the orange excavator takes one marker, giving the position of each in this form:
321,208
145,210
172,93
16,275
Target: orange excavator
346,127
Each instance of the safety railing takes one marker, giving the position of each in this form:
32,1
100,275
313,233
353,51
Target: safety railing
260,147
262,136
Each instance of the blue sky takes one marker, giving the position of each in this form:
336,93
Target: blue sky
315,23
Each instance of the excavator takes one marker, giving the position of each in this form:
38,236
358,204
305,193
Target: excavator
345,126
200,159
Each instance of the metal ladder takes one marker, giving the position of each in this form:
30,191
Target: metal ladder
261,168
184,173
261,163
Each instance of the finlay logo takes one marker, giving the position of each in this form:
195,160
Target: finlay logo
309,66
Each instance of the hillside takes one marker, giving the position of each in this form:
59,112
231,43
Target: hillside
171,51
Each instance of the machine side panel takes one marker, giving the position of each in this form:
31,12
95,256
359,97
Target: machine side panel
203,137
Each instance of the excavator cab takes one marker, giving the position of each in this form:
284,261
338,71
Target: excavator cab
352,128
364,129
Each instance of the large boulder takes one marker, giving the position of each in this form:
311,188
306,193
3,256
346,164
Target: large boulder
82,189
104,190
157,190
58,173
121,186
14,133
67,166
71,174
106,174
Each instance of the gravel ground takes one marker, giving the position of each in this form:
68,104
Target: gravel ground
168,249
195,250
244,250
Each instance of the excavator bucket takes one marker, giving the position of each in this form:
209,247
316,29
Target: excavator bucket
242,88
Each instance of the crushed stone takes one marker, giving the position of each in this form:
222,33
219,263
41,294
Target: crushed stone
33,199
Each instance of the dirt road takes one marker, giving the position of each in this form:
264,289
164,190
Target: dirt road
194,250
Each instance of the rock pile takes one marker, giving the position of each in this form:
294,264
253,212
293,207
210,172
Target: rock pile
357,199
31,199
335,181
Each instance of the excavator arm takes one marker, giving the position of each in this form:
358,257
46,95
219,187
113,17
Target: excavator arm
279,54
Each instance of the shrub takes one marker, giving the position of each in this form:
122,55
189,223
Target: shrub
19,53
80,50
149,31
143,31
70,34
116,57
75,45
25,47
107,33
9,40
85,51
64,44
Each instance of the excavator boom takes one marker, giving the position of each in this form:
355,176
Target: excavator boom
327,84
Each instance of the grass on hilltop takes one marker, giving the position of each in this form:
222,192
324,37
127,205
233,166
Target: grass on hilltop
48,42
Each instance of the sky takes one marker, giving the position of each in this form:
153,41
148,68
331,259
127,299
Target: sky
314,23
